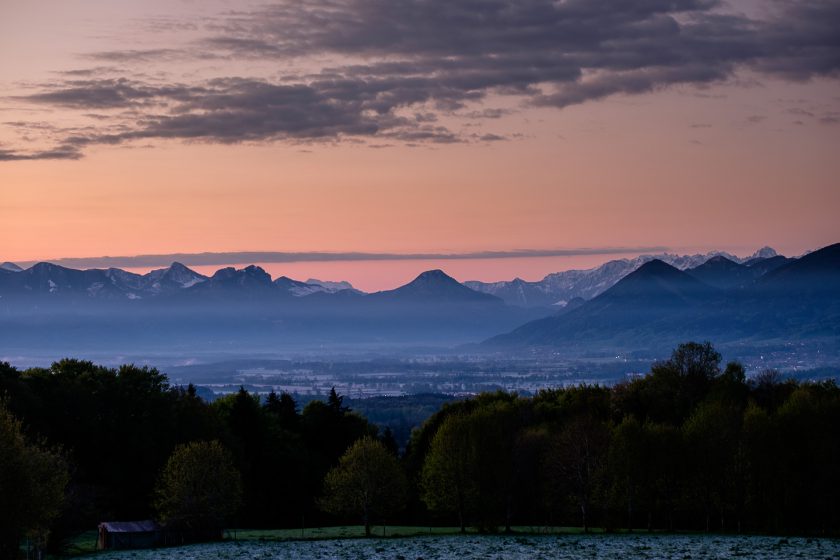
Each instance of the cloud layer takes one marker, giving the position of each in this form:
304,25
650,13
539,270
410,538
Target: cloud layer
399,69
250,257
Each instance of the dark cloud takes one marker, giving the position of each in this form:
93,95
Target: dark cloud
88,72
60,152
486,114
241,110
101,94
802,42
137,55
402,64
490,137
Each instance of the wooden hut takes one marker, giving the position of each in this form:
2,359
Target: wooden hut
128,534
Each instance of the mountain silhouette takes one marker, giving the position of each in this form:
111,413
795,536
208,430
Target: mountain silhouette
434,286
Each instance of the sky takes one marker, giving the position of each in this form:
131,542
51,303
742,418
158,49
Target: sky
588,129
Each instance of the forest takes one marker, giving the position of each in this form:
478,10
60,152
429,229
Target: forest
693,445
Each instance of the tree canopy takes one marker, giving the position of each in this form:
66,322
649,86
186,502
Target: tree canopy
691,445
368,482
33,479
199,487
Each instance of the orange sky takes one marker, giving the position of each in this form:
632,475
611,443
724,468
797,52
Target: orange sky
731,166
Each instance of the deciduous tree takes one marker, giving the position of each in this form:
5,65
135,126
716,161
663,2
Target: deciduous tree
448,481
32,484
199,486
368,481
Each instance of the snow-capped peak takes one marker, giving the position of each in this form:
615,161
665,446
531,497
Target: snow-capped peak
763,253
182,275
588,283
332,286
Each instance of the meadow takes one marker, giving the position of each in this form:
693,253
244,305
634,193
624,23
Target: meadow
508,547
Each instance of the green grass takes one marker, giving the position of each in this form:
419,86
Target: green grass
85,543
338,532
357,531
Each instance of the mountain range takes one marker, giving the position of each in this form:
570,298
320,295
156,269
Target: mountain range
556,289
238,309
559,288
629,304
58,282
658,305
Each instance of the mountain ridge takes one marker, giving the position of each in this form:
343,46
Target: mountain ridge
658,304
435,284
558,288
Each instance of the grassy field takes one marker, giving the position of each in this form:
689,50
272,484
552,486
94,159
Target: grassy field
328,544
85,543
353,531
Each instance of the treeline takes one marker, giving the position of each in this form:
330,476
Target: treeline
116,428
691,445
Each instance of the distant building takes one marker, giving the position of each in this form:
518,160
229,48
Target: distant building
128,534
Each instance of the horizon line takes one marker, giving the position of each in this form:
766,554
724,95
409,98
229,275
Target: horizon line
252,257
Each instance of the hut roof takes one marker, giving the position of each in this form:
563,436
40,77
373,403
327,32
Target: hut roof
129,526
